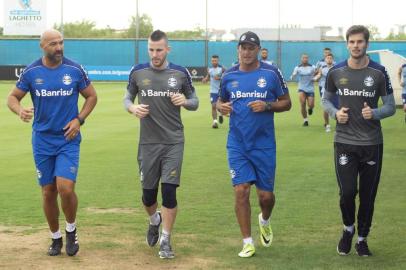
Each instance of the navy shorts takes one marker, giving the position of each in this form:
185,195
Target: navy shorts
55,156
404,99
255,166
308,94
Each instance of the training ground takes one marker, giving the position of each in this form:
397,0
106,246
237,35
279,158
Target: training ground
111,221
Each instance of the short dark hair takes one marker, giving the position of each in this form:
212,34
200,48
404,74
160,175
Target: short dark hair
264,49
358,29
327,49
157,35
215,56
330,54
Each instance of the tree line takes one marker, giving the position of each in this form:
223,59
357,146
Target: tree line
87,29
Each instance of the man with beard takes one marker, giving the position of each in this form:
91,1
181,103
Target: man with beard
214,74
54,83
162,89
305,73
264,56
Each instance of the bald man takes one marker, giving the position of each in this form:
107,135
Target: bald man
54,83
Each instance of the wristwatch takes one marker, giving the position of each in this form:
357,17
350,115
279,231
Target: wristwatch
81,120
268,106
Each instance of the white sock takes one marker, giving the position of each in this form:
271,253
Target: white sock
154,219
165,236
248,240
56,235
263,221
70,227
215,121
349,228
305,119
361,239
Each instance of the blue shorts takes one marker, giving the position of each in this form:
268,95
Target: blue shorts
404,99
308,94
321,91
213,97
255,166
55,156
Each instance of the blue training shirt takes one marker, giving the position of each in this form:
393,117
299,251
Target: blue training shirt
248,129
320,64
324,71
305,74
54,93
215,72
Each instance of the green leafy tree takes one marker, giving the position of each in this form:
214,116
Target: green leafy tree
85,29
393,36
197,33
145,27
374,32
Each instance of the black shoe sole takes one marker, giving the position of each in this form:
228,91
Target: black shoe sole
342,253
72,254
362,255
52,255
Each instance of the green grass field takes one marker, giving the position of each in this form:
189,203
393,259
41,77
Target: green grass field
306,219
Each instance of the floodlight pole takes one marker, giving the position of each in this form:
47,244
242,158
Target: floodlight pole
62,17
137,34
206,42
352,12
279,42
